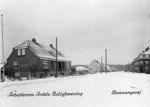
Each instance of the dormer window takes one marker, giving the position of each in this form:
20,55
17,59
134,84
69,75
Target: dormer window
21,52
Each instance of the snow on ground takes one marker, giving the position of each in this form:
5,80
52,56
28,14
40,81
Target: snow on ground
96,88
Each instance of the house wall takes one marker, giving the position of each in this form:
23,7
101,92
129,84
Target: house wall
141,66
31,65
29,60
63,68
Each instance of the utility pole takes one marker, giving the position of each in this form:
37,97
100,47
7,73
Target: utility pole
3,70
56,58
128,66
106,61
101,64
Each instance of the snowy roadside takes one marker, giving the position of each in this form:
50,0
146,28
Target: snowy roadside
126,76
96,88
104,75
35,81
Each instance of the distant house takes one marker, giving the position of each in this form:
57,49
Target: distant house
33,60
141,63
95,66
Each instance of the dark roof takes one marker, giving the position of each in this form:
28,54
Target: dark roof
41,50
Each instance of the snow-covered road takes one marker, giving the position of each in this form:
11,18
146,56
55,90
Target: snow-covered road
92,90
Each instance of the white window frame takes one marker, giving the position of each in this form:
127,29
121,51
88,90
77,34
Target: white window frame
19,52
23,51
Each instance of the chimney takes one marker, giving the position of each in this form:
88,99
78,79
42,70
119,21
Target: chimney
34,41
51,45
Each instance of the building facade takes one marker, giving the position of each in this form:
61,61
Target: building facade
33,60
141,63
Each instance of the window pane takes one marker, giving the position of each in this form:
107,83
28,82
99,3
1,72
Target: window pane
146,68
141,62
136,68
136,63
147,56
23,51
19,52
15,65
45,65
67,65
144,56
146,62
141,56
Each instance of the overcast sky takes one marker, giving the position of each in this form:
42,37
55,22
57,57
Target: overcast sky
85,28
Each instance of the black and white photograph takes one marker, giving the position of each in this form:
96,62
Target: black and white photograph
74,53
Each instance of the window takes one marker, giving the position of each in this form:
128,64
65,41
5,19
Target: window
146,68
146,62
23,52
141,62
136,68
136,63
45,65
19,52
147,56
141,56
67,65
15,65
144,56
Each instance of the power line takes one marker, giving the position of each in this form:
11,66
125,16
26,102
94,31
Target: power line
19,28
